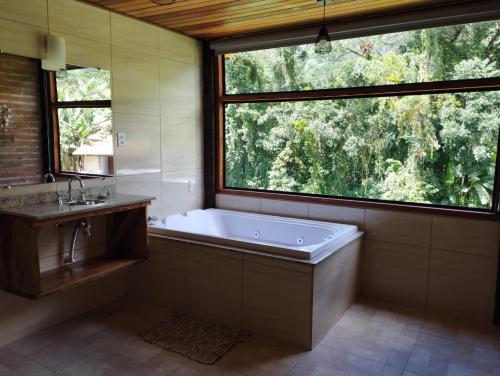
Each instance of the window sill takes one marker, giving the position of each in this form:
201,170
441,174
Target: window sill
364,204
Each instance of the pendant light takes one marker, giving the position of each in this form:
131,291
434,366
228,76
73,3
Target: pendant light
323,42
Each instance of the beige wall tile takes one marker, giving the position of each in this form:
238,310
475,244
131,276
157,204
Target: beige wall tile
277,263
33,12
53,240
214,287
216,251
462,285
48,241
178,47
20,317
21,39
55,261
398,227
328,303
135,35
238,203
135,82
162,278
277,303
147,185
141,153
396,273
284,208
352,260
176,195
81,20
181,146
87,53
466,235
54,243
87,296
180,89
339,214
336,287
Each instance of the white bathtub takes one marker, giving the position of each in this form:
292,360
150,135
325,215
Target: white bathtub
298,238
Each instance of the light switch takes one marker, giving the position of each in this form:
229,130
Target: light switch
191,185
121,139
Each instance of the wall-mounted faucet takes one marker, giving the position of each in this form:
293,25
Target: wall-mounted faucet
84,223
49,178
82,186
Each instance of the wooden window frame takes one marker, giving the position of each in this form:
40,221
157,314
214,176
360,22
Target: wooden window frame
455,86
54,105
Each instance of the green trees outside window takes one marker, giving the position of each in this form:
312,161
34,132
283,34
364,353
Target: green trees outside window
84,121
438,149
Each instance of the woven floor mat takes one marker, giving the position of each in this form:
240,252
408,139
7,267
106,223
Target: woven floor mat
197,339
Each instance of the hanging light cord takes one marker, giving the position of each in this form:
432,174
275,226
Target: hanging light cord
324,12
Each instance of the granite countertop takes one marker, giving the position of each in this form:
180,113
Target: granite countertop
45,211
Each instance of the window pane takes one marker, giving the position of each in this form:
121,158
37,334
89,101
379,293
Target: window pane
431,149
86,141
85,84
437,54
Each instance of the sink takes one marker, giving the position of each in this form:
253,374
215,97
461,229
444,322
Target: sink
89,202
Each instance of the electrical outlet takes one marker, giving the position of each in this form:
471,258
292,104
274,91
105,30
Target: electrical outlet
121,139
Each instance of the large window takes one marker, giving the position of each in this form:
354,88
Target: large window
80,101
410,117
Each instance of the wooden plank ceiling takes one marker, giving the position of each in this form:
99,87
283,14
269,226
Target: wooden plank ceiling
210,19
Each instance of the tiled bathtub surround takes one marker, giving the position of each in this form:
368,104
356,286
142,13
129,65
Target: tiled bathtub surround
294,301
442,264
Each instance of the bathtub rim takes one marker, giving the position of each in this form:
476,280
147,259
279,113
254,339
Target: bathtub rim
271,248
343,242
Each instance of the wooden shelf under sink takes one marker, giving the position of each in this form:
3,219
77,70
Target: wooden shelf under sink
71,275
126,245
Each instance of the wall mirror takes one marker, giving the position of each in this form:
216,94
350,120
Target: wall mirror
58,123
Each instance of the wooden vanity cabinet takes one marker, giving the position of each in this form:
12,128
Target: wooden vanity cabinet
127,244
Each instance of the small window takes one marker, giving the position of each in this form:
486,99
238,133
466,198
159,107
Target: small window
82,132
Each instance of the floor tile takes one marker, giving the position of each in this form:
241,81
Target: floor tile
442,356
15,364
368,340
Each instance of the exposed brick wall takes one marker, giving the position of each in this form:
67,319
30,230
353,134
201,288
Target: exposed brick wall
21,158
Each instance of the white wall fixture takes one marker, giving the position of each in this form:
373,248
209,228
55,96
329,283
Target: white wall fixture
5,117
121,139
56,53
191,185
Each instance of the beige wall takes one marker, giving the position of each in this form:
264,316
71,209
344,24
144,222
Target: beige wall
437,263
156,102
156,90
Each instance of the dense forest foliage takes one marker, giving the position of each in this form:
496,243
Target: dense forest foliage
438,148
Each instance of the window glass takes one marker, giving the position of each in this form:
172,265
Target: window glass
435,149
86,140
427,55
83,84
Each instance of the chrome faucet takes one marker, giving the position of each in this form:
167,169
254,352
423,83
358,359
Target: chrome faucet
49,178
82,186
83,223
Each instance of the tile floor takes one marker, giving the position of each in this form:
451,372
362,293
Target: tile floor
368,340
